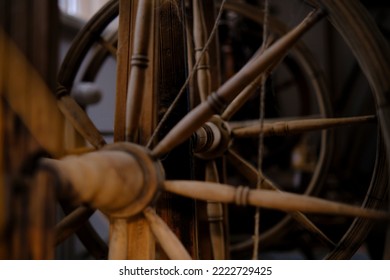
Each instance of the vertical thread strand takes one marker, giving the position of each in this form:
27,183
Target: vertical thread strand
261,134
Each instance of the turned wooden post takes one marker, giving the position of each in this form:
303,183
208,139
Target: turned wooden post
200,38
135,98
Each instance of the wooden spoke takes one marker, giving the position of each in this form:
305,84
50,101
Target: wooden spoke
167,239
282,201
91,240
215,216
217,101
298,126
80,121
72,222
253,122
269,57
44,121
249,172
118,240
136,82
250,89
139,63
108,46
203,68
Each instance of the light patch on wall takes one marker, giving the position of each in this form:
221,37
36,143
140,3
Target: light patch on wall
82,9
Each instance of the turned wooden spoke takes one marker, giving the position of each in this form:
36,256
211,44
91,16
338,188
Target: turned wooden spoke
249,172
72,222
298,126
167,239
217,101
282,201
249,90
108,46
267,59
203,68
254,122
88,236
215,216
143,35
137,48
241,99
80,121
118,240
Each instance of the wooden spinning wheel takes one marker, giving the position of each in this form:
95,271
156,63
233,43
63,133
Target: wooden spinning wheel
125,180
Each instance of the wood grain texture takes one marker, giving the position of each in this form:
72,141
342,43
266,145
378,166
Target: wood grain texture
144,26
167,239
282,201
299,126
29,122
29,97
135,39
215,216
200,37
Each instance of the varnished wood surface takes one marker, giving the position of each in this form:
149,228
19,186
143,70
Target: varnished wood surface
268,199
134,40
178,212
214,105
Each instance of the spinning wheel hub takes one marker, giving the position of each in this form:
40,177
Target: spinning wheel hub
121,180
212,139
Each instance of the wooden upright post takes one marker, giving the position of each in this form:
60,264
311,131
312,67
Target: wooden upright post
164,74
133,63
